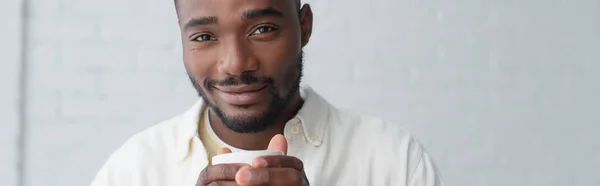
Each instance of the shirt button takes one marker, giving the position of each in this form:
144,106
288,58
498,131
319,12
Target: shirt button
295,130
314,136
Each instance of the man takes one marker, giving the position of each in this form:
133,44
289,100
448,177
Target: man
244,57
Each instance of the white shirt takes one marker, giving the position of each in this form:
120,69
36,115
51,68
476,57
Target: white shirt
337,147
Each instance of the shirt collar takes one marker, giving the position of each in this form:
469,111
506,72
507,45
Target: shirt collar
313,116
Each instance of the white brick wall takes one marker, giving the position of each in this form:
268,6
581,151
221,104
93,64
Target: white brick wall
100,71
500,92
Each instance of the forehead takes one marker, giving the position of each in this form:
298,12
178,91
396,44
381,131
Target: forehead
221,8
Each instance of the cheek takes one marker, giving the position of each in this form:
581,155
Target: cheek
279,59
198,66
198,63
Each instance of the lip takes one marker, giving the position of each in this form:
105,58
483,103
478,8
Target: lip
241,88
243,94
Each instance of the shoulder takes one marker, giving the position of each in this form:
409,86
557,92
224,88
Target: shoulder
136,153
165,130
153,139
374,129
387,145
378,137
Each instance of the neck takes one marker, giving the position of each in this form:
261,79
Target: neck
259,140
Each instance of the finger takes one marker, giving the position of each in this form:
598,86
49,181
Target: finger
222,183
268,176
224,150
278,162
278,143
221,172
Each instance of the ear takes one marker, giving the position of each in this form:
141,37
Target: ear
306,23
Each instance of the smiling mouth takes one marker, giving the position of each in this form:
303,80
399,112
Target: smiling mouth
242,95
241,89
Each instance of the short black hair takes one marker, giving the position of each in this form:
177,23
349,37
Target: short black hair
298,4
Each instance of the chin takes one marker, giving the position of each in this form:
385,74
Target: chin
246,119
253,110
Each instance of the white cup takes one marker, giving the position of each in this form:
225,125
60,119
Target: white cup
245,157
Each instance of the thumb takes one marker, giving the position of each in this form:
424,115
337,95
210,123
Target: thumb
224,150
278,143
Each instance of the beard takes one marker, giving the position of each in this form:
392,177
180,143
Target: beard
252,124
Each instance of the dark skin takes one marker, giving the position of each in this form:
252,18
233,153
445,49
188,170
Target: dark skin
258,38
266,170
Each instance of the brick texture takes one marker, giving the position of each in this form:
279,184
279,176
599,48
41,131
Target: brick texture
500,92
100,71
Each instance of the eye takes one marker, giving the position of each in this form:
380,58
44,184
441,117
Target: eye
204,37
264,29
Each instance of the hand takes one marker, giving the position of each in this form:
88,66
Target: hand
274,170
222,174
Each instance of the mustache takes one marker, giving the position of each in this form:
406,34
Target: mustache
239,80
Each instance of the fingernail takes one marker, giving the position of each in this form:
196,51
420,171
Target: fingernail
245,175
262,163
300,164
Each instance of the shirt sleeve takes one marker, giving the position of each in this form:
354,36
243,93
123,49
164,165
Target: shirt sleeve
104,175
425,173
117,170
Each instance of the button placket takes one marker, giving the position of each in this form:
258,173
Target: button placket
293,129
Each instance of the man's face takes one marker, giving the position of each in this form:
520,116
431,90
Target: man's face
244,57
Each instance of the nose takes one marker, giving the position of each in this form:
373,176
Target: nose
237,59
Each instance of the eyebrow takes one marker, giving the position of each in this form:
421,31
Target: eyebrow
201,21
265,12
249,14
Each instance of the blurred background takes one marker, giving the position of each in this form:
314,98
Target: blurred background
500,92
